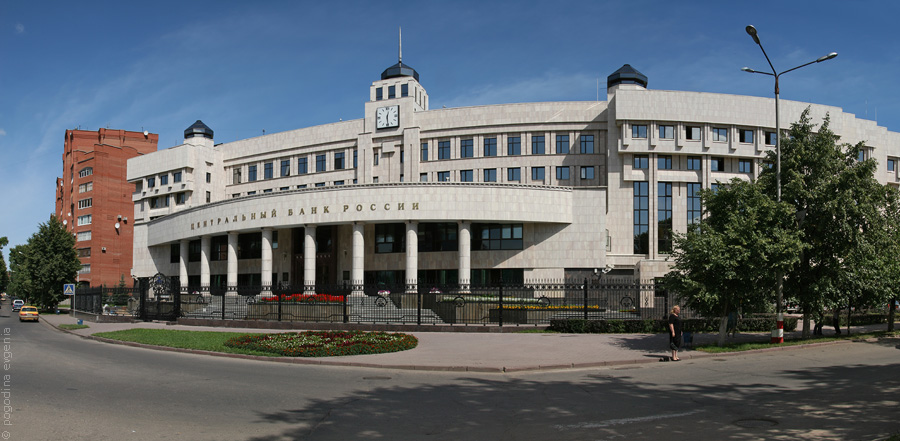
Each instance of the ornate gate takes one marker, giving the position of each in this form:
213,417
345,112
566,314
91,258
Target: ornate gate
160,299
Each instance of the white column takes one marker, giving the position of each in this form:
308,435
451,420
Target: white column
204,260
309,259
357,258
465,254
266,257
182,264
412,256
232,276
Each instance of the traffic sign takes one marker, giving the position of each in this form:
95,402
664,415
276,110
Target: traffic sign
69,289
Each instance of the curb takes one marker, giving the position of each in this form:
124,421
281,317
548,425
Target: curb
433,368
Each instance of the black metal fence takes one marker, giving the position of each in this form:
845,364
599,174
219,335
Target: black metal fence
534,303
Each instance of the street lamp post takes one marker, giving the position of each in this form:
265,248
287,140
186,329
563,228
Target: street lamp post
778,332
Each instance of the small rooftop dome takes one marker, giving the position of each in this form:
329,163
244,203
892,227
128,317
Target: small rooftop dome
198,129
626,75
399,70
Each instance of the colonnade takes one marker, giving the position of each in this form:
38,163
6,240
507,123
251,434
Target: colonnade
357,260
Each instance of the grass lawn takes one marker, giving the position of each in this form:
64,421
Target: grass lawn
738,347
173,338
71,327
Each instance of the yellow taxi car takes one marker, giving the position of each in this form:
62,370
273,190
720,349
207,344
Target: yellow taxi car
28,313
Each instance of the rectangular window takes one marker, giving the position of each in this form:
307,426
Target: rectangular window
164,179
513,146
154,203
745,165
86,187
268,170
339,161
562,144
151,182
209,196
717,164
587,173
514,174
537,174
694,207
375,158
208,178
164,201
771,138
423,177
251,173
443,176
666,132
336,183
87,171
392,92
537,145
249,246
355,154
301,186
180,198
83,235
322,184
465,175
490,146
84,220
85,268
401,155
390,238
497,237
438,237
320,163
562,173
587,144
641,162
664,217
694,163
285,167
218,248
251,193
490,175
638,131
443,150
664,162
745,135
84,252
891,164
176,177
466,148
424,151
379,94
236,175
85,203
692,133
720,134
404,90
861,155
641,218
301,166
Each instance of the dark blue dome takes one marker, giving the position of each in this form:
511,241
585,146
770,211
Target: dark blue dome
399,70
626,75
198,129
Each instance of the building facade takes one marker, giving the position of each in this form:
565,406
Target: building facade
93,200
408,194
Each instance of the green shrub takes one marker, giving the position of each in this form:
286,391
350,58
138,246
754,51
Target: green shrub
703,325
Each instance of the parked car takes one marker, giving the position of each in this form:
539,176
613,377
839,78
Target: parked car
28,313
17,304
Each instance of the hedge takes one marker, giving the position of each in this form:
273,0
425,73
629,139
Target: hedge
580,326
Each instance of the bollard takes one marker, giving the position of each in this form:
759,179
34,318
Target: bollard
80,322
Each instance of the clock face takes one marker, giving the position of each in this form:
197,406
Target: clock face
387,117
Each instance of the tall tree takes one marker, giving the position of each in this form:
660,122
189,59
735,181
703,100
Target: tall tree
731,258
839,209
49,261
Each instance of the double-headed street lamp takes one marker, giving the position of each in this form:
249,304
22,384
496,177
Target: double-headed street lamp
778,333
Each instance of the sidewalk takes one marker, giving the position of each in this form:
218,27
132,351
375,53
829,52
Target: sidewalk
485,352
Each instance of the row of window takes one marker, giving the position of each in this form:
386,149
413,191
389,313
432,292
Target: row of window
338,163
693,133
514,174
391,92
164,179
513,147
86,187
85,172
716,163
163,201
641,214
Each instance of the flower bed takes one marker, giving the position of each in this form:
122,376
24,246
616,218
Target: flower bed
325,343
303,298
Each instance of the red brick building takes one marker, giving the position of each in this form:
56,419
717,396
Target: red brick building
93,200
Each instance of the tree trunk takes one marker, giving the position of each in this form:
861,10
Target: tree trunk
805,325
849,312
723,330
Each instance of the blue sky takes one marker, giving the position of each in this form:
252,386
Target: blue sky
245,67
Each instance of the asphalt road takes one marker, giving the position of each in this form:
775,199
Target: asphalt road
61,387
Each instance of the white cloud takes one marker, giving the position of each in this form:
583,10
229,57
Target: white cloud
2,132
20,28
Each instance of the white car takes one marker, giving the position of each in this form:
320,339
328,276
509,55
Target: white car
17,304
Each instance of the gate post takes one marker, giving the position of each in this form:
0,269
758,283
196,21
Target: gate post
585,299
500,310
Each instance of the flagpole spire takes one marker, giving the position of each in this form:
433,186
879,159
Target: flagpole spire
400,58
